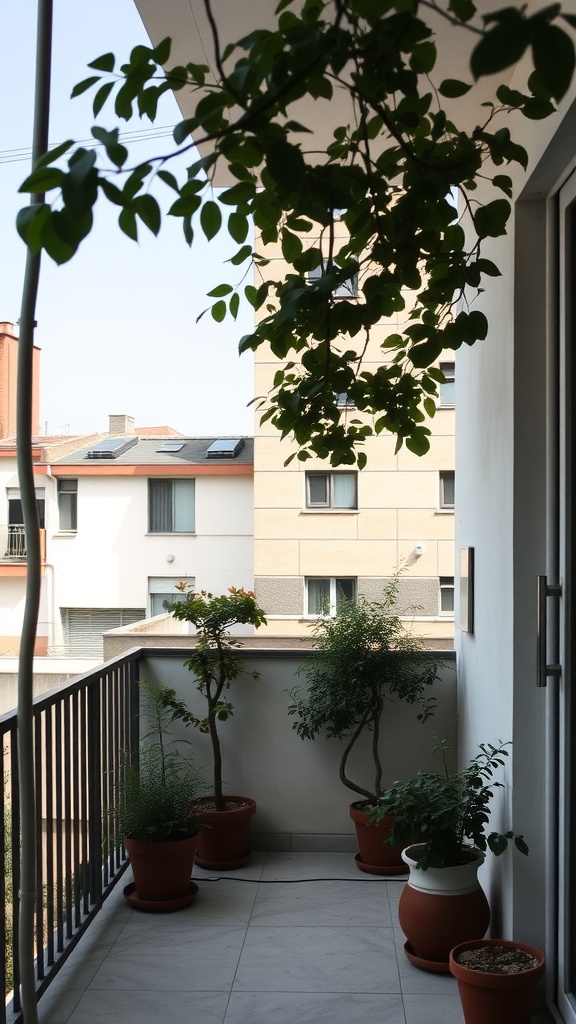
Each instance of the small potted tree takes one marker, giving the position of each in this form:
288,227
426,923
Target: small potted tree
222,843
444,816
365,659
154,810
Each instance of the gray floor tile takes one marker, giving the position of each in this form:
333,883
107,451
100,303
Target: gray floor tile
434,1009
318,960
149,1008
307,866
186,961
321,903
312,1008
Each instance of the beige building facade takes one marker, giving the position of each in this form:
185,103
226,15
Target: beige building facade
323,534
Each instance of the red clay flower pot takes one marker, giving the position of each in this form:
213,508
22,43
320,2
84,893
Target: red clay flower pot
496,998
222,844
376,856
440,908
162,871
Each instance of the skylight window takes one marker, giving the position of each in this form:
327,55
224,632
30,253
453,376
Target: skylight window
171,446
225,448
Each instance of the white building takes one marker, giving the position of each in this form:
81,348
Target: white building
124,518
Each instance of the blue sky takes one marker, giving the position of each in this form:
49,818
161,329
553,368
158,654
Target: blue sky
117,325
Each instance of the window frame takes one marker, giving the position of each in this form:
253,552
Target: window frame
333,599
160,586
443,476
445,586
154,481
329,505
73,493
449,371
347,289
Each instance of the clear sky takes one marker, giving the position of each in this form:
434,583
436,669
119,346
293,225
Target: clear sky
117,325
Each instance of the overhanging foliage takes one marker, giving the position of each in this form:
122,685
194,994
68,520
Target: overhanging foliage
392,170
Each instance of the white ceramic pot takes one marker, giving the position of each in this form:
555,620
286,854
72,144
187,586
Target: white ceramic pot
450,881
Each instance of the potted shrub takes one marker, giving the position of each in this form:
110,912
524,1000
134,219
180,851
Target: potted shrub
497,980
154,810
444,816
365,659
223,842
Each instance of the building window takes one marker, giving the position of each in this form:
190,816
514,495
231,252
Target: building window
16,541
331,490
447,595
326,595
68,504
344,290
163,588
343,400
447,389
171,506
447,488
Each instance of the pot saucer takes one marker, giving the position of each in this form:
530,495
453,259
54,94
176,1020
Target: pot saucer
434,966
223,865
159,906
380,869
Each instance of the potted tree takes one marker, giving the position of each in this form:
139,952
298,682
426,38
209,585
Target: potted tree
497,980
223,842
365,659
154,810
444,816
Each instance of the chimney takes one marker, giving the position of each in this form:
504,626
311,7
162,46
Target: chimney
8,382
121,425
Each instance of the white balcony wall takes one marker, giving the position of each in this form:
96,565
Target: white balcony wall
295,782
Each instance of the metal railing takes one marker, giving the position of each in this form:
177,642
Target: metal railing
13,543
81,735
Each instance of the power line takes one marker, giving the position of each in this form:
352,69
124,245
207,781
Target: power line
10,156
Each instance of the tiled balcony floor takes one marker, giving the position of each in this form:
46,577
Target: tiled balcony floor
300,937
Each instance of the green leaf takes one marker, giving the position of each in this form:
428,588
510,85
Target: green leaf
453,87
169,179
184,129
220,291
490,220
161,53
250,294
148,211
127,222
84,85
503,45
234,305
285,164
42,180
554,60
241,256
101,97
210,219
104,63
238,227
30,223
219,311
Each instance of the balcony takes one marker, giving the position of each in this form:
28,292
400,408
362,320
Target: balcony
299,932
13,546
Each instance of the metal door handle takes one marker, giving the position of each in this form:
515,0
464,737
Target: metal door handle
545,590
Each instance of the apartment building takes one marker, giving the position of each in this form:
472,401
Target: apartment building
124,518
324,535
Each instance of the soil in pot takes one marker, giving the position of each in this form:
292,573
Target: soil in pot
376,856
497,980
222,844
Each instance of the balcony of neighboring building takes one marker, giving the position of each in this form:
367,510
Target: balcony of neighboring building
13,556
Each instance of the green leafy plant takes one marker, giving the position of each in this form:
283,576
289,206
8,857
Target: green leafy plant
401,172
446,813
214,661
365,657
155,797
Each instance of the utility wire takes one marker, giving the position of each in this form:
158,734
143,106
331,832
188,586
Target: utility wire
11,156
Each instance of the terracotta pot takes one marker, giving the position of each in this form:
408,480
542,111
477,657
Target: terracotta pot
162,871
440,908
222,844
376,856
497,998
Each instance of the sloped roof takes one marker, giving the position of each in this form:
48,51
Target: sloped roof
145,453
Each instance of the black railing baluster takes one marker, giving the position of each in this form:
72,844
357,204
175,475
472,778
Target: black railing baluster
76,871
49,847
38,722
